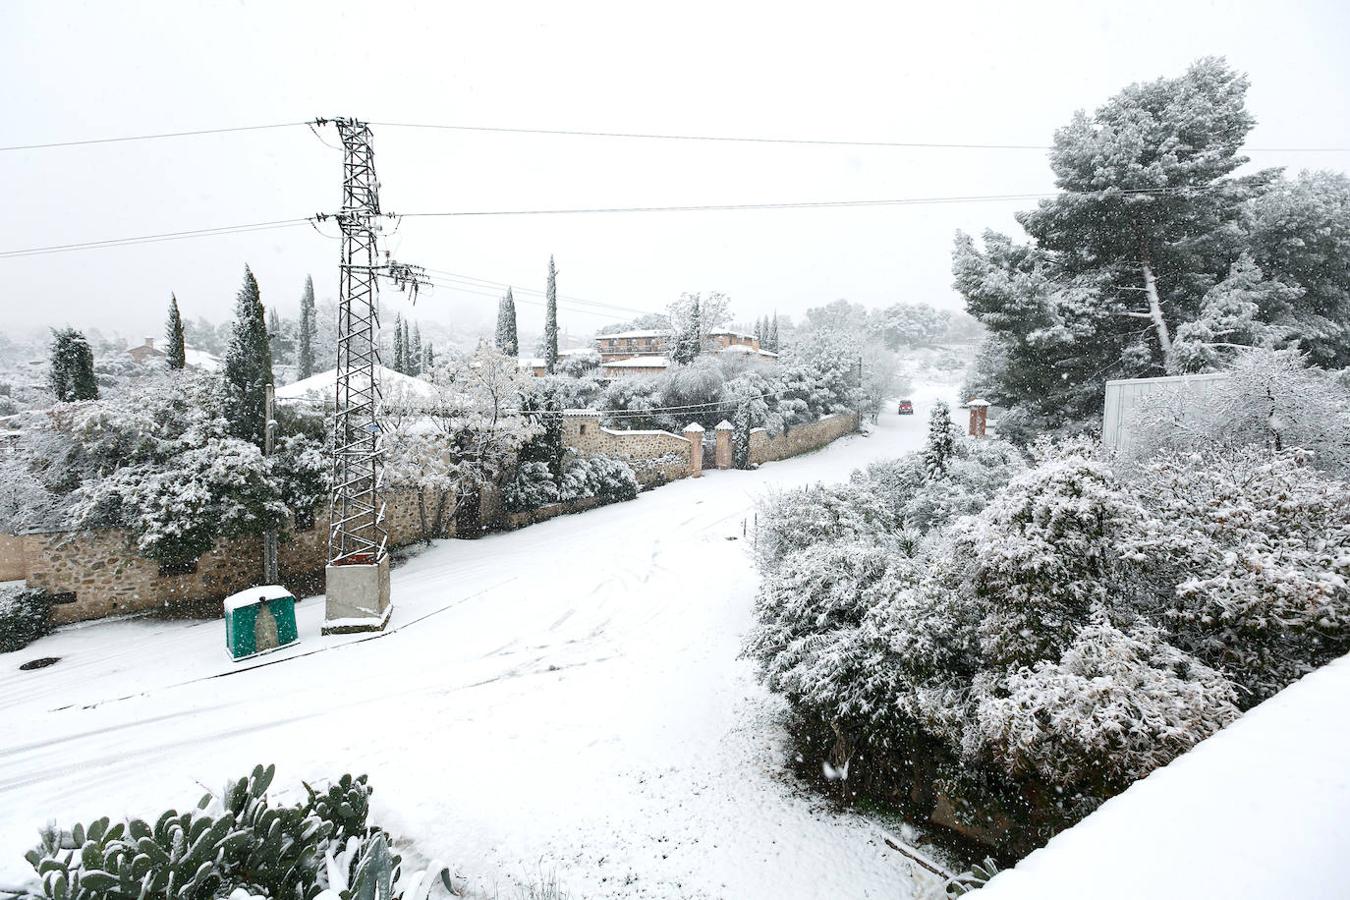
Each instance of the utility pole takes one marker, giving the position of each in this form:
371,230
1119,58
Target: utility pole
357,574
270,574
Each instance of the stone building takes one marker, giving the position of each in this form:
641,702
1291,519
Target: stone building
626,344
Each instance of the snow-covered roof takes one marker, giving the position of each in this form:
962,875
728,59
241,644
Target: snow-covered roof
745,348
724,425
633,334
1256,810
254,595
739,334
587,413
638,362
324,384
693,426
200,359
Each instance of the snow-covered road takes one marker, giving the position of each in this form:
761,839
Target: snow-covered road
563,699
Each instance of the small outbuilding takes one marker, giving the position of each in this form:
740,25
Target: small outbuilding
258,620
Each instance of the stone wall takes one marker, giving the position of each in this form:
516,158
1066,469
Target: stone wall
12,565
656,456
100,573
513,521
800,438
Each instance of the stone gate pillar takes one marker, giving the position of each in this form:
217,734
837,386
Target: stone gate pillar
979,417
693,433
723,454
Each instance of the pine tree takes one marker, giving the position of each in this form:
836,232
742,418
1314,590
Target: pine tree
551,321
429,358
940,445
773,333
687,341
72,368
304,360
248,363
506,342
415,352
176,350
400,348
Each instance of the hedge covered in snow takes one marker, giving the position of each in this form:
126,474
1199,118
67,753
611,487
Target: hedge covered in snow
1023,640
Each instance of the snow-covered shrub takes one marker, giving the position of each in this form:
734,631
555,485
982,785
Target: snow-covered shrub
793,520
1258,546
302,470
237,844
24,616
605,477
1116,705
811,638
1270,398
532,488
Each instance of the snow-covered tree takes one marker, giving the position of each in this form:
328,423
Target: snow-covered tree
72,366
414,351
469,434
307,332
687,342
506,340
174,349
551,319
1233,315
248,364
400,348
740,437
940,445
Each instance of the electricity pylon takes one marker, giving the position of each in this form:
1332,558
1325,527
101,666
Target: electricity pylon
358,560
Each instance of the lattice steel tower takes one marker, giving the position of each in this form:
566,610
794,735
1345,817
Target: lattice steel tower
356,532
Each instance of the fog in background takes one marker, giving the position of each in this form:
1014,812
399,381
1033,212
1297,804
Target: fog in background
970,72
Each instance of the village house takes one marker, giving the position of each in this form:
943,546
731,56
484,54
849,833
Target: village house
146,352
626,344
634,365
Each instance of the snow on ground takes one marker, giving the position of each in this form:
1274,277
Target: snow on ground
1258,810
566,699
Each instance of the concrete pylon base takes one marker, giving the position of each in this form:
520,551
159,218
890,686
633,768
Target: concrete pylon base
357,597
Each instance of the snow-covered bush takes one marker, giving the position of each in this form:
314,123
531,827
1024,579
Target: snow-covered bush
532,488
1116,705
1270,398
609,479
791,521
810,637
237,844
24,616
1258,546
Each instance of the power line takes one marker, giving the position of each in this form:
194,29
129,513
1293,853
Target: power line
624,135
820,142
154,238
148,137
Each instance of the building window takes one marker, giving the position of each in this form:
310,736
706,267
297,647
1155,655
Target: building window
583,427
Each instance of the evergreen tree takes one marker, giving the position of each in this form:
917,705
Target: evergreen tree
687,341
248,363
429,358
176,350
507,342
551,321
773,333
400,349
415,352
740,437
72,368
940,445
304,360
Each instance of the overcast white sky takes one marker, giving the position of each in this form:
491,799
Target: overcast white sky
942,72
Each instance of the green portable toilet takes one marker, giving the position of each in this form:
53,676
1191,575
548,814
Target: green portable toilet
259,620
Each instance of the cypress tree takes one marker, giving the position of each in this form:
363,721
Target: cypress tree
429,358
773,333
507,342
248,363
400,349
740,437
304,360
176,349
415,352
551,320
72,371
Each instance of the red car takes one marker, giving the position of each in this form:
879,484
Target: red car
906,408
